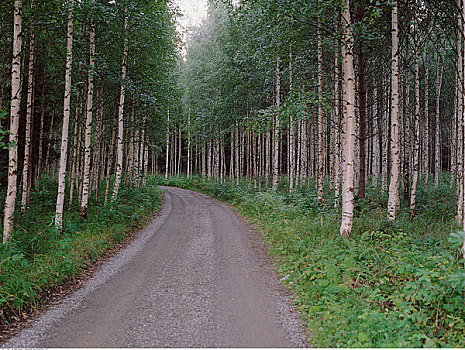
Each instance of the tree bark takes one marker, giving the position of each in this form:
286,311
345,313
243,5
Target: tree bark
110,160
14,122
74,159
426,126
167,145
321,169
337,136
29,112
88,126
291,127
393,201
460,124
437,128
416,150
41,135
276,128
362,111
119,162
348,124
66,111
407,143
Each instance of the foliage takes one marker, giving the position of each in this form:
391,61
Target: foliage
390,285
38,257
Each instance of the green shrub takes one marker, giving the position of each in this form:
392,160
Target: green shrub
393,284
38,257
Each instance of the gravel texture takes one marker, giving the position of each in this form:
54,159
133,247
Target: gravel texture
197,276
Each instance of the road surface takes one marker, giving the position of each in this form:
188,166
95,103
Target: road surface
196,276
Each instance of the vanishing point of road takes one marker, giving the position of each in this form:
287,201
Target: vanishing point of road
197,276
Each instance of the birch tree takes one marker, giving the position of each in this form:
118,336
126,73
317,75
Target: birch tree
119,152
348,91
29,111
393,201
416,149
66,111
14,122
88,125
321,169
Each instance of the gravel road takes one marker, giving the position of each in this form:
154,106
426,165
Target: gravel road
196,276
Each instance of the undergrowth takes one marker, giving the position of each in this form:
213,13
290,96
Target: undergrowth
392,284
38,257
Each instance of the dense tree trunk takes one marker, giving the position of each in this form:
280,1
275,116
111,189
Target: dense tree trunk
119,157
437,130
41,135
111,157
416,143
337,136
50,141
321,145
29,116
66,111
426,124
14,122
74,160
393,201
348,124
291,127
457,101
276,127
376,138
460,124
167,145
407,132
88,125
362,113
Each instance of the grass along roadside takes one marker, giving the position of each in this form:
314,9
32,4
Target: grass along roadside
38,259
395,284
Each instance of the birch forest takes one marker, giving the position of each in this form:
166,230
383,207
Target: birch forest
337,127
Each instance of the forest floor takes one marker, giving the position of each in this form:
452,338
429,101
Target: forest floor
197,276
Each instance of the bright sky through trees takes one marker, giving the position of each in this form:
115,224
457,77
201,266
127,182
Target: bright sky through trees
193,13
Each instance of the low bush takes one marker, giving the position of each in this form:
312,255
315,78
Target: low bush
38,257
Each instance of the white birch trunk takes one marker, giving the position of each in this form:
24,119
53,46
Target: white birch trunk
348,125
14,122
276,128
416,150
393,200
29,111
88,126
426,126
460,135
321,168
437,138
66,111
119,157
303,151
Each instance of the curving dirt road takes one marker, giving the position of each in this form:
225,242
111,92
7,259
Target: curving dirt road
196,276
